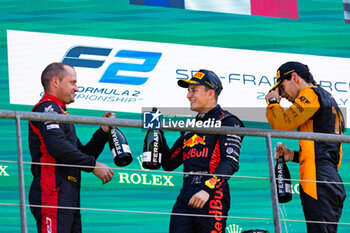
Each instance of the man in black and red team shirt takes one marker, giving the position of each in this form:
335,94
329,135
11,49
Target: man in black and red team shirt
57,143
207,154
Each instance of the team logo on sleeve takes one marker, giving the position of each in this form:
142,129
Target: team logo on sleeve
304,100
49,109
229,150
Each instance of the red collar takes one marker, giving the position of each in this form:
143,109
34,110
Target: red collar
55,100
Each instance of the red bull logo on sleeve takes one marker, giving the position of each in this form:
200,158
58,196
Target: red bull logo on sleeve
194,140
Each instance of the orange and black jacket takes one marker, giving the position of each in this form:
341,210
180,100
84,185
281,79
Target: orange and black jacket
314,110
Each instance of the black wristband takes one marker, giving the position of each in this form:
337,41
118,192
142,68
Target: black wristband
296,157
273,100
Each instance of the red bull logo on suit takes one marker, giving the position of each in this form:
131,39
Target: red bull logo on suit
194,140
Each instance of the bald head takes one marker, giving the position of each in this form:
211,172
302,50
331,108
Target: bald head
56,69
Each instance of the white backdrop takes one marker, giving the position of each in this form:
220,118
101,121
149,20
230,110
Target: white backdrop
246,75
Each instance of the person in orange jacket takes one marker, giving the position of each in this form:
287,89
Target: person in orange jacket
313,110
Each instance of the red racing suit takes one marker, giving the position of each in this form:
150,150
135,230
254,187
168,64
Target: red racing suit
315,110
207,154
57,143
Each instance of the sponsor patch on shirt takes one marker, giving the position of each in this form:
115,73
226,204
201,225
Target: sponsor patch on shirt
212,182
49,109
303,99
299,107
71,178
52,126
229,150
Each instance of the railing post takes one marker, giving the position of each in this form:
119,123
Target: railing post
274,197
22,192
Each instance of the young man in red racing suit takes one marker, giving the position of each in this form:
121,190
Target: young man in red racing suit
57,143
205,154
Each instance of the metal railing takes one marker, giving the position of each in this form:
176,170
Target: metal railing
268,134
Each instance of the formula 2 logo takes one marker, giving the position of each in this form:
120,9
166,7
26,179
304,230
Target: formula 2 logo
150,59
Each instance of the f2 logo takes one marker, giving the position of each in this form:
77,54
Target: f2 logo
150,60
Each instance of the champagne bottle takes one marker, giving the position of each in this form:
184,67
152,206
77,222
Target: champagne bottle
284,187
152,148
119,147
